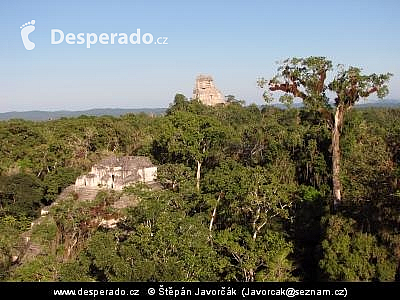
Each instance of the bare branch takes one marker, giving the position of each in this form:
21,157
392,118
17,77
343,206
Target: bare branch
287,88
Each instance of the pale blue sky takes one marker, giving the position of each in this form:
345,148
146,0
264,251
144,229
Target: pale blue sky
234,41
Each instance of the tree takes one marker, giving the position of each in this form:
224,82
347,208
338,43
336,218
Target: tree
20,194
305,78
159,242
248,201
265,260
54,182
180,103
349,85
174,176
232,99
351,255
190,138
255,196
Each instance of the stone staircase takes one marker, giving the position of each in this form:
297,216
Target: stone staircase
66,192
83,193
86,193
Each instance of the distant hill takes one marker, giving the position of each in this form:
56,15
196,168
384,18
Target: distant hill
38,115
389,103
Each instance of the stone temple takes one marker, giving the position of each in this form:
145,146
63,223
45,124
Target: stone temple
206,92
118,172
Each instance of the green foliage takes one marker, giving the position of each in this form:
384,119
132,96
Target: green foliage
188,137
265,187
252,196
44,233
54,182
350,84
42,268
20,223
309,193
180,103
10,229
163,244
175,176
109,265
20,194
350,255
263,260
74,271
304,78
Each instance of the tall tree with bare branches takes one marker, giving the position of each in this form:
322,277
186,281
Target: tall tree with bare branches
306,78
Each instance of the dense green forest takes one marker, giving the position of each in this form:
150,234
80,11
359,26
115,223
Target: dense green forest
246,195
265,172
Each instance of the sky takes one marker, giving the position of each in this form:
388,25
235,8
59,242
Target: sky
236,42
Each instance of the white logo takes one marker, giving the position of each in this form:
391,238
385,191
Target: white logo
57,37
27,28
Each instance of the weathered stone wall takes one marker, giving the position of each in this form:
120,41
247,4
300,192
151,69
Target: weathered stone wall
150,174
116,173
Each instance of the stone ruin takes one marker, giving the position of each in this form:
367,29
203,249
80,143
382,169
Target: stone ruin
206,92
117,172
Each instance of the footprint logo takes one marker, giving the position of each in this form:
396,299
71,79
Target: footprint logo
26,29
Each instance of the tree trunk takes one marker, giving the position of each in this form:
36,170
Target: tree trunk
337,126
198,175
248,275
254,223
214,213
257,230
